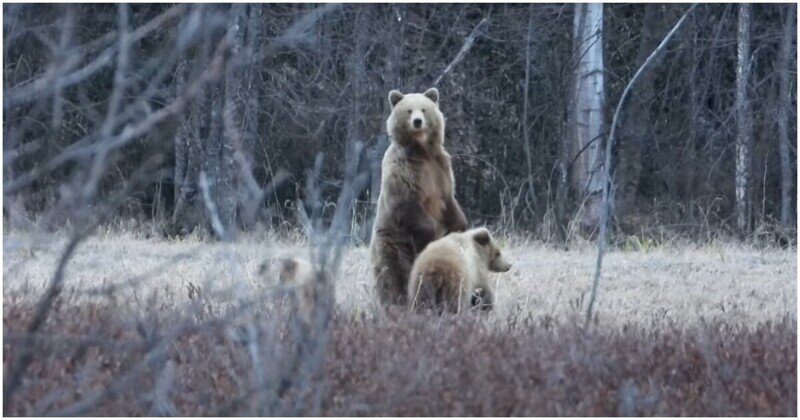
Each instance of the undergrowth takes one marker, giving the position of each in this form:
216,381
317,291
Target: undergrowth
169,360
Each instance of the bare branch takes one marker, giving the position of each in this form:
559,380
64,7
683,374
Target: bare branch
462,52
13,376
129,132
606,205
32,90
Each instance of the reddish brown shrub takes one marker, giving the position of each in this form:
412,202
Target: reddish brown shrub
175,363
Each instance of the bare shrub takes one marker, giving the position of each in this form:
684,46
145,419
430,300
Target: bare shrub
403,366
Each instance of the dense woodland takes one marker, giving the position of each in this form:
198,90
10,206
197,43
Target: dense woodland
190,115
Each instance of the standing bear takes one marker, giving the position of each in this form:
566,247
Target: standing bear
416,204
452,273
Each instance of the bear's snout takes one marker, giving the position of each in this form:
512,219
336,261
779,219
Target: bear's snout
417,122
499,265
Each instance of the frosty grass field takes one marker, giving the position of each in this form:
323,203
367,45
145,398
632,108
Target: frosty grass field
681,330
674,283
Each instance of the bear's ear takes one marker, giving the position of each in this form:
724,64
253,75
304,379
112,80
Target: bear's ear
394,97
482,237
432,94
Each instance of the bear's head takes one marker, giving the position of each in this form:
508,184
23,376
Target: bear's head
489,251
296,271
416,119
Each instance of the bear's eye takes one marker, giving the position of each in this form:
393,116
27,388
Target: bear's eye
423,111
409,112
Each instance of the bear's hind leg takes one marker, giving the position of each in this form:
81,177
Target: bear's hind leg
482,299
392,280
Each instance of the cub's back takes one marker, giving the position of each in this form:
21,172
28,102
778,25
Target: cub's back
438,274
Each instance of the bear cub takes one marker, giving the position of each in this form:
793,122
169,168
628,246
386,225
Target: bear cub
299,275
452,273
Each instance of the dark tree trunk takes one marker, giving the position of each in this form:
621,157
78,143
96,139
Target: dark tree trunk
786,53
634,129
393,39
691,156
182,139
187,213
232,137
526,137
357,75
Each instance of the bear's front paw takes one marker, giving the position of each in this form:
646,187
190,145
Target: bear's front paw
481,300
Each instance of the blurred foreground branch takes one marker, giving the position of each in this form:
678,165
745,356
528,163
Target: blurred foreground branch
17,366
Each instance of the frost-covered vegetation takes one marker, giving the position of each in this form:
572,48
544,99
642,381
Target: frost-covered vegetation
680,330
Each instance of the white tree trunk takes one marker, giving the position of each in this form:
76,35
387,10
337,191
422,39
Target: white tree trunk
784,100
526,137
586,113
744,120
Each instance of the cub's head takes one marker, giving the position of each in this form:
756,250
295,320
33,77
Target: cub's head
294,271
488,250
416,118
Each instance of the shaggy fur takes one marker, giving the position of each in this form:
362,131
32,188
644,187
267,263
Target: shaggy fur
451,274
416,204
300,274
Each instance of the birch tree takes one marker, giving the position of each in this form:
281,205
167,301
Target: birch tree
586,111
744,120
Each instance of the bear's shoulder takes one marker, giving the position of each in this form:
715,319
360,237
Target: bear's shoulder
443,158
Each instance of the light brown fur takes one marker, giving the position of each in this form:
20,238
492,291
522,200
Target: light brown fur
300,275
451,274
416,203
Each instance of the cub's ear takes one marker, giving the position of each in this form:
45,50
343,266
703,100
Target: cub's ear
482,237
394,97
432,94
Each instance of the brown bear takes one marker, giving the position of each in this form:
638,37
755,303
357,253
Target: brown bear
452,273
299,275
416,204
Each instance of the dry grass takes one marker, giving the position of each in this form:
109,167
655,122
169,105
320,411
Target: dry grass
681,330
678,284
